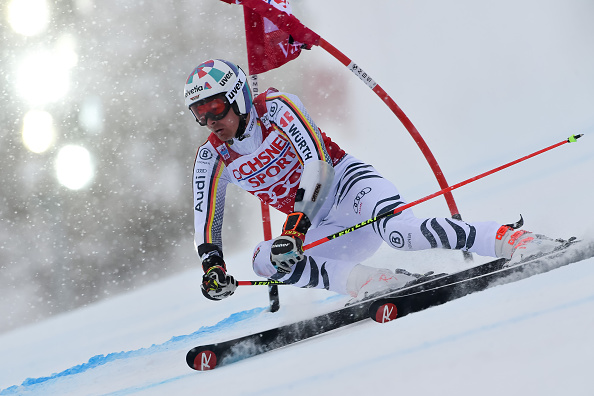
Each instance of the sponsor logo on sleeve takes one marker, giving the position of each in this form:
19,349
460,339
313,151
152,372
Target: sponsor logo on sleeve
273,109
396,239
200,182
357,204
204,154
296,135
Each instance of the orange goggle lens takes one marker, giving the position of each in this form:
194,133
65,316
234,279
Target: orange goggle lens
215,109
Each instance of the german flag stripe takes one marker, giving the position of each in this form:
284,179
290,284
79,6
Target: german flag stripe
210,226
307,126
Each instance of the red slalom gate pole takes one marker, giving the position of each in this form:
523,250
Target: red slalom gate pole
273,297
288,23
571,139
406,122
412,130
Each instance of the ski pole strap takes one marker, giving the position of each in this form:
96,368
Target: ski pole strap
399,209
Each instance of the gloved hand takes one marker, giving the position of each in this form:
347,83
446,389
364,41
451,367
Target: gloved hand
285,252
287,249
216,283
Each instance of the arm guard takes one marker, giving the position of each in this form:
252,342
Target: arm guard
314,187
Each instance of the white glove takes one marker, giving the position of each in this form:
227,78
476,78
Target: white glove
285,252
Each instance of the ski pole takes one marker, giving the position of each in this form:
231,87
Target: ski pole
320,241
571,139
260,283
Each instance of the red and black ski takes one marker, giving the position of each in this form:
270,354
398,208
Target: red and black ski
385,309
207,357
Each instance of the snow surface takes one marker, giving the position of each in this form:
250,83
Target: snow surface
528,337
484,84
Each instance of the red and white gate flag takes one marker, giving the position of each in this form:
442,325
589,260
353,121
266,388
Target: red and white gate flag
274,36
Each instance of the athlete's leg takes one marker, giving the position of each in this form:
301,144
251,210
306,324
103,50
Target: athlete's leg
311,272
326,266
407,232
363,193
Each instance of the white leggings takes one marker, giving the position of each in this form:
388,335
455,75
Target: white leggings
361,193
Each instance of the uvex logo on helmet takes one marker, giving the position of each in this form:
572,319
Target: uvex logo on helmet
225,79
233,91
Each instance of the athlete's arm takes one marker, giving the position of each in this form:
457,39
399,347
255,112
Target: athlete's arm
209,184
293,120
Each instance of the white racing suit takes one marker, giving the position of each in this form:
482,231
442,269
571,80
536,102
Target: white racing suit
268,163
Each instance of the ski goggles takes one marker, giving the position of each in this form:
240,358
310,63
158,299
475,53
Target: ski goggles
215,108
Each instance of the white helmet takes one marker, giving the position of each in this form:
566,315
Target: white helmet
218,76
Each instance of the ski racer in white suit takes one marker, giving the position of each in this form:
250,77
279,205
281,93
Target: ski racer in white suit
272,148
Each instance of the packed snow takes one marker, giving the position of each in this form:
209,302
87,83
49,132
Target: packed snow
528,337
484,85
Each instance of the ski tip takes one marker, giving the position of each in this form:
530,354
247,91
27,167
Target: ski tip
201,360
385,313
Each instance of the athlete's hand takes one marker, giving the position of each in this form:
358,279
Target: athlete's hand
287,249
217,284
285,252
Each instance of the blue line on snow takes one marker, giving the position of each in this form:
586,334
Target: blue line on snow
100,360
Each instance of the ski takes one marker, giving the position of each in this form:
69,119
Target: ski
388,308
207,357
413,298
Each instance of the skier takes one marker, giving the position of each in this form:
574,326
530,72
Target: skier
272,148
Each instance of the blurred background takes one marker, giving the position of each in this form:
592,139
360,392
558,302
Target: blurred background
97,148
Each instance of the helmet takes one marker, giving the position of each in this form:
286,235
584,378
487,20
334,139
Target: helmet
218,76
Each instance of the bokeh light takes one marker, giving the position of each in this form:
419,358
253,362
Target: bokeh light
44,76
74,167
91,114
28,17
38,131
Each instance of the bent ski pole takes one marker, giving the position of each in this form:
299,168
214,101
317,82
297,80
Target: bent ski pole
571,139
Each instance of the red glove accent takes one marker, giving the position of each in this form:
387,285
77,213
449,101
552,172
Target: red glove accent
296,225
